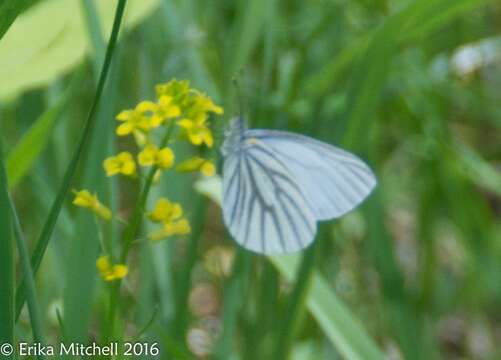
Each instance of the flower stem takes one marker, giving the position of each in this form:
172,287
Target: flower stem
33,308
137,216
131,231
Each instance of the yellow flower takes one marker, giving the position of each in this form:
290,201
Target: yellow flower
192,103
85,199
180,227
110,272
197,131
165,211
171,216
123,163
204,104
136,119
175,88
165,109
206,167
151,155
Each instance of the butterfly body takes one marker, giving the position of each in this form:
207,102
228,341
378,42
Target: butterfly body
277,185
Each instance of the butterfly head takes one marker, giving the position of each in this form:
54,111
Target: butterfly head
233,136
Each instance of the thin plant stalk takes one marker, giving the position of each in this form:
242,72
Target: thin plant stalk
182,291
6,262
50,223
31,293
295,304
131,231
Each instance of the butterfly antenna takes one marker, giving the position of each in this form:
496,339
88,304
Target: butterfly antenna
240,97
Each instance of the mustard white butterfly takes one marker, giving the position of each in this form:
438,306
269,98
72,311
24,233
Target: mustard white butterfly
277,185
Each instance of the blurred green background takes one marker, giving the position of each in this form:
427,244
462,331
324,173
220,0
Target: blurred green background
413,87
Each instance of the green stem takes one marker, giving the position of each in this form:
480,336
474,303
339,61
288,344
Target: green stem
50,223
184,280
295,304
137,216
131,231
24,256
6,263
234,300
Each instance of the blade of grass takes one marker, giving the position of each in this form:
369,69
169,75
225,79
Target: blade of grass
31,293
22,157
50,223
437,15
295,304
335,319
366,85
184,280
371,72
6,262
398,308
477,169
233,302
10,10
172,346
80,279
62,328
422,24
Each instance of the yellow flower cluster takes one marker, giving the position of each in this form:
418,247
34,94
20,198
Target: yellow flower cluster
177,102
170,215
177,106
151,155
123,163
109,271
195,109
85,199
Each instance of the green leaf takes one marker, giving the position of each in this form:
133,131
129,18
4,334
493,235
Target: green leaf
420,19
30,58
31,293
27,150
371,72
335,319
6,262
10,10
478,170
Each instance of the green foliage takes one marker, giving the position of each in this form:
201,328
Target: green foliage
22,157
6,261
9,11
30,58
413,273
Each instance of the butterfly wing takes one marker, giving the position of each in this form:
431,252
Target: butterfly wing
264,208
334,181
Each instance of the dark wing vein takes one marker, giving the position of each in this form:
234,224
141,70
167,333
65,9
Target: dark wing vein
280,191
265,207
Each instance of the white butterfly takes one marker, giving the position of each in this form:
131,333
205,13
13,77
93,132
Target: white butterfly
277,185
